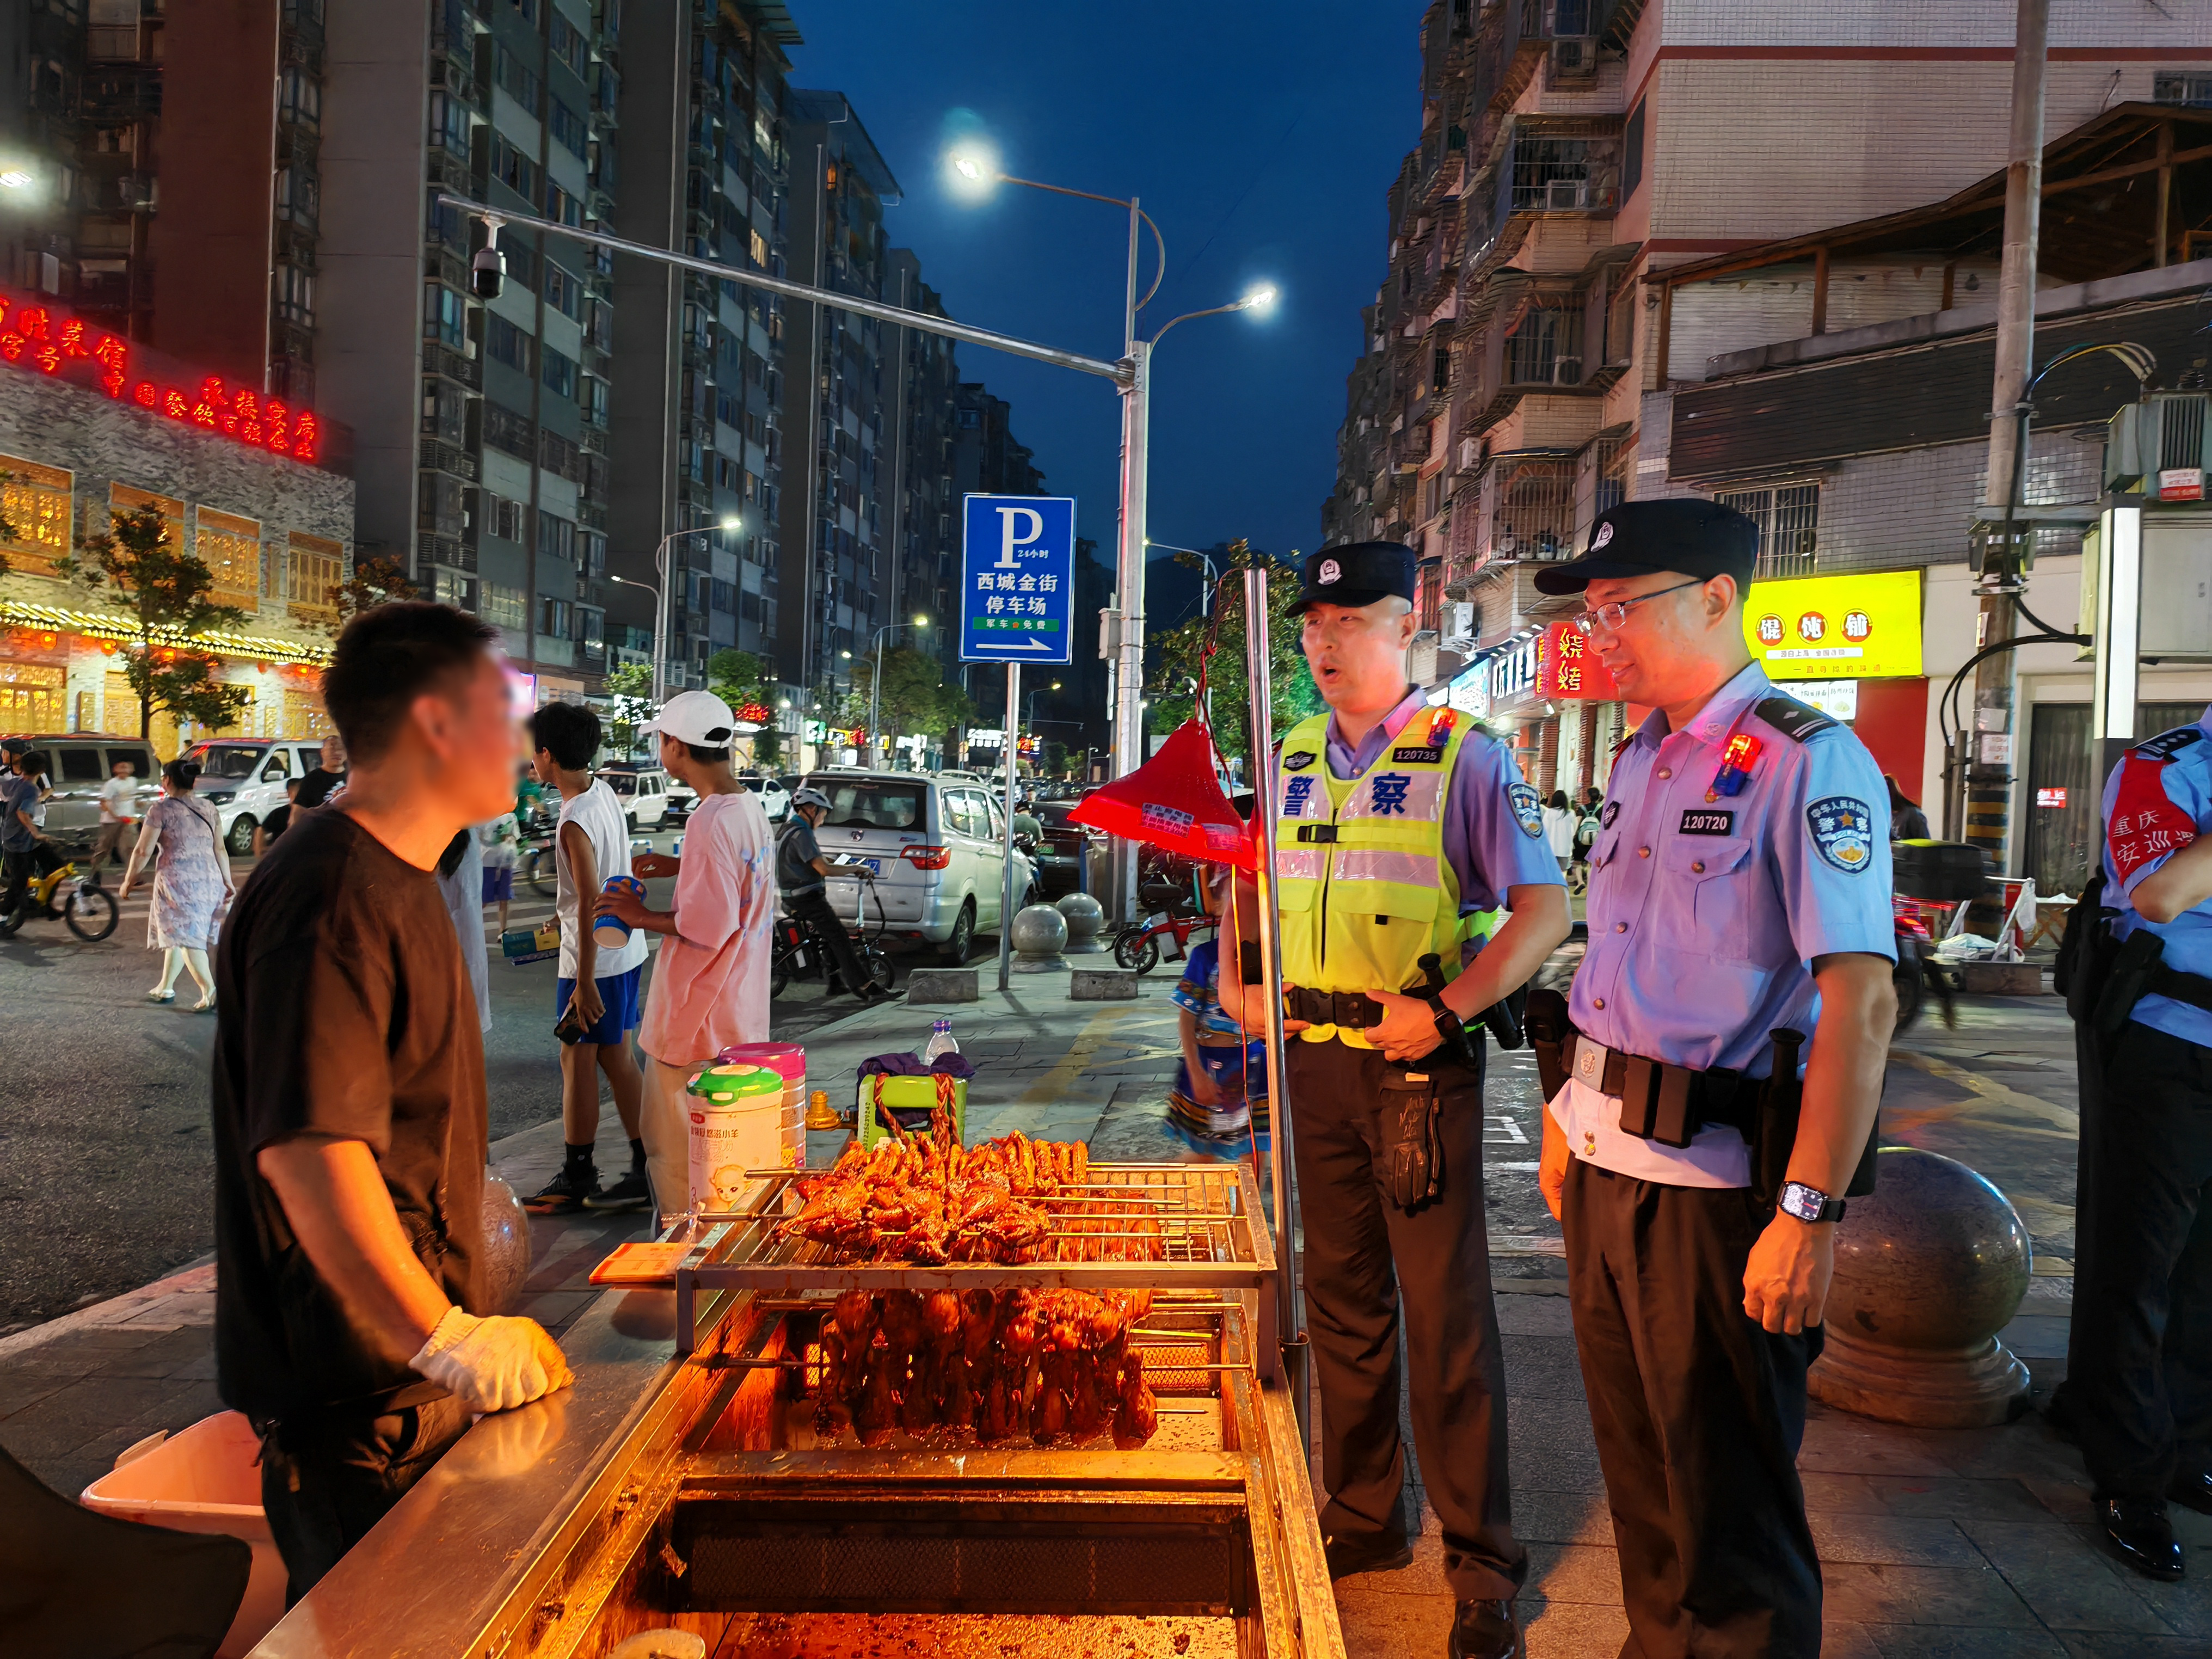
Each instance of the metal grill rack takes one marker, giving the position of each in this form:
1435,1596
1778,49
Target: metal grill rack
1210,1235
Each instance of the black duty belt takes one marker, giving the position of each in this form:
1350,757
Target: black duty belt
2194,989
1662,1101
1353,1010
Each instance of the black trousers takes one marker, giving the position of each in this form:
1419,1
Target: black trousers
1361,1250
2139,1355
814,910
326,1481
1698,1414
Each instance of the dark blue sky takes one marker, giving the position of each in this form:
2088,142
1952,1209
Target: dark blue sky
1261,139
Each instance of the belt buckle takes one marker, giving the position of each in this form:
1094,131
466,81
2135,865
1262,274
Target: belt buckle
1589,1064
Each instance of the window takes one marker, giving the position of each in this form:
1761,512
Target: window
591,395
444,318
449,124
451,587
559,373
298,196
568,46
563,292
123,498
568,129
300,99
230,547
506,607
553,617
295,294
556,537
1631,153
506,343
81,765
561,207
501,517
314,569
2176,86
505,429
1789,520
1552,175
1545,347
513,169
516,79
35,502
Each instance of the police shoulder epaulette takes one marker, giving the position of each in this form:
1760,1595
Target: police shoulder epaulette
2167,744
1794,719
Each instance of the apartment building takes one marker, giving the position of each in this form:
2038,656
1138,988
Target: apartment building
1521,358
924,539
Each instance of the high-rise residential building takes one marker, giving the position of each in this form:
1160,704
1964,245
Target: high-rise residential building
699,377
834,562
924,527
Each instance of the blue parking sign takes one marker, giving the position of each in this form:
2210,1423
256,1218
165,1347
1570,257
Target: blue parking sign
1018,579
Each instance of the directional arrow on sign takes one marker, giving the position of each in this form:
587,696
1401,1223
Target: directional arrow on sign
1020,645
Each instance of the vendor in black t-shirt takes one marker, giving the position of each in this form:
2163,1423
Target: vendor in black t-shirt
348,1105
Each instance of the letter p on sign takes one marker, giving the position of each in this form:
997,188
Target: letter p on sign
1009,540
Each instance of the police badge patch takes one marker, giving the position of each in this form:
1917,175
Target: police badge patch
1843,828
1299,761
1528,811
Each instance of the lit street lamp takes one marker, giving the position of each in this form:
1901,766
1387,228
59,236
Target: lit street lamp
659,592
876,681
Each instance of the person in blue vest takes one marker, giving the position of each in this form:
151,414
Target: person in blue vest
2139,1356
1399,824
1739,888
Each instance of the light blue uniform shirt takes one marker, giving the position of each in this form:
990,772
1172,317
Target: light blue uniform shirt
1705,916
2178,766
1493,827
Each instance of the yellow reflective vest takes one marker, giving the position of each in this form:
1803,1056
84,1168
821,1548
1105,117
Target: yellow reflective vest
1365,889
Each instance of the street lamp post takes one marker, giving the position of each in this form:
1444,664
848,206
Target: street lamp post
659,592
876,681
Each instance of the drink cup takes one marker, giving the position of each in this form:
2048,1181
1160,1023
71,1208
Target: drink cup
612,932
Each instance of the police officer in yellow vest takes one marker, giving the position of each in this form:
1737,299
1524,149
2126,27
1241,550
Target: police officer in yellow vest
1399,822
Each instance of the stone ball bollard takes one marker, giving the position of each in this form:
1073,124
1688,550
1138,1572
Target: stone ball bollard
506,1245
1040,934
1086,920
1928,1271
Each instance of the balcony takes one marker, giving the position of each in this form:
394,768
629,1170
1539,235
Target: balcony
444,360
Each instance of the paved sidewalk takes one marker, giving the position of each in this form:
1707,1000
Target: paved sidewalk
1934,1543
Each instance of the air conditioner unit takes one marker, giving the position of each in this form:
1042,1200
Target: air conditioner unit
1470,452
1574,59
1561,195
2168,433
1566,371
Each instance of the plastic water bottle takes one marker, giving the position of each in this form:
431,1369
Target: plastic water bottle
941,1041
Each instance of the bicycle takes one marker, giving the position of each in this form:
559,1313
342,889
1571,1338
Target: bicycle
1139,947
799,955
89,909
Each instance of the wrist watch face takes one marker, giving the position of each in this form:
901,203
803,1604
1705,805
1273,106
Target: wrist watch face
1804,1202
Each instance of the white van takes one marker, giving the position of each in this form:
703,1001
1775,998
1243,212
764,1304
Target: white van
244,779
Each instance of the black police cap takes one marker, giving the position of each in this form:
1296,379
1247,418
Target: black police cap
1358,572
1685,534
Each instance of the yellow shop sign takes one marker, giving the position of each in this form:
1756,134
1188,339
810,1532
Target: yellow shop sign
1829,628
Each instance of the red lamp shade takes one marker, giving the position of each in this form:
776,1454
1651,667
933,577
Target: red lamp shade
1172,801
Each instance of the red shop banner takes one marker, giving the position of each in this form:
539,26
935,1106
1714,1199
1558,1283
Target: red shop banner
1568,669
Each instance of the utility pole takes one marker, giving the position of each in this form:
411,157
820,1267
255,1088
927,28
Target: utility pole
1993,743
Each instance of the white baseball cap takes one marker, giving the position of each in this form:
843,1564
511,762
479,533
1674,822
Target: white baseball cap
699,718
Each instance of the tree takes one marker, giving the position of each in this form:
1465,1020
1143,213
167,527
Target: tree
164,590
630,688
378,580
739,678
916,698
1294,693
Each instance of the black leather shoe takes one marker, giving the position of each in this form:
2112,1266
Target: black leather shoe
1366,1552
1485,1629
2137,1530
2193,1490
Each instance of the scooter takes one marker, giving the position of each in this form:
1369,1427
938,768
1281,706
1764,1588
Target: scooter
1918,971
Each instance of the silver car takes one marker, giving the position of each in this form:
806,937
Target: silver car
935,848
77,765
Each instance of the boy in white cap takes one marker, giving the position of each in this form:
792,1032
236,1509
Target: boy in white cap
710,986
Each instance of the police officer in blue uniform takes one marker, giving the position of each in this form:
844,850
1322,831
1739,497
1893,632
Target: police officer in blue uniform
1739,897
2139,1363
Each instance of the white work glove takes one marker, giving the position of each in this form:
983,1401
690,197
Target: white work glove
493,1364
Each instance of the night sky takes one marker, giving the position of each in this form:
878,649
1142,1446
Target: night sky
1261,139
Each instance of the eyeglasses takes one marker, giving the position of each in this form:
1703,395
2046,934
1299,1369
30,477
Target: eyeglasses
1610,616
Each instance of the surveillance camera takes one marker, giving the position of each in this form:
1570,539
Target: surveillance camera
486,273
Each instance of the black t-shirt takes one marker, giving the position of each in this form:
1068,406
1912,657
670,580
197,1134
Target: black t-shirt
343,1010
795,853
315,785
277,822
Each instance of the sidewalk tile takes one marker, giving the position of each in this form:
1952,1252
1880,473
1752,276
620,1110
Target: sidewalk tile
2108,1645
1561,1629
1535,1315
1375,1622
1991,1498
1842,1494
1884,1594
2059,1572
1901,1539
1574,1573
1958,1642
1841,1639
1559,1517
1836,1443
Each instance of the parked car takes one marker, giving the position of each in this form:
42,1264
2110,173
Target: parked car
935,848
1061,848
244,779
641,790
78,764
775,797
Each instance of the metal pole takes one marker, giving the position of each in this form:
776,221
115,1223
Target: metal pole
1989,783
660,622
1290,1302
1006,879
1129,679
876,700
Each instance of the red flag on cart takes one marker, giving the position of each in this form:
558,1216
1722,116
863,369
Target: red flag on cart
1174,800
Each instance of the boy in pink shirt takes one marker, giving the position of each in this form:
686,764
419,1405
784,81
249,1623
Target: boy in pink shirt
709,985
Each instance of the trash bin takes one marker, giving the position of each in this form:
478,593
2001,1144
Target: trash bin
204,1478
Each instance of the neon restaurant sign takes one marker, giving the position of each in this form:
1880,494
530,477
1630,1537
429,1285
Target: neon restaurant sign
49,341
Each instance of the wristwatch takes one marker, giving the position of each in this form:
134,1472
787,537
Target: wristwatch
1809,1204
1450,1026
